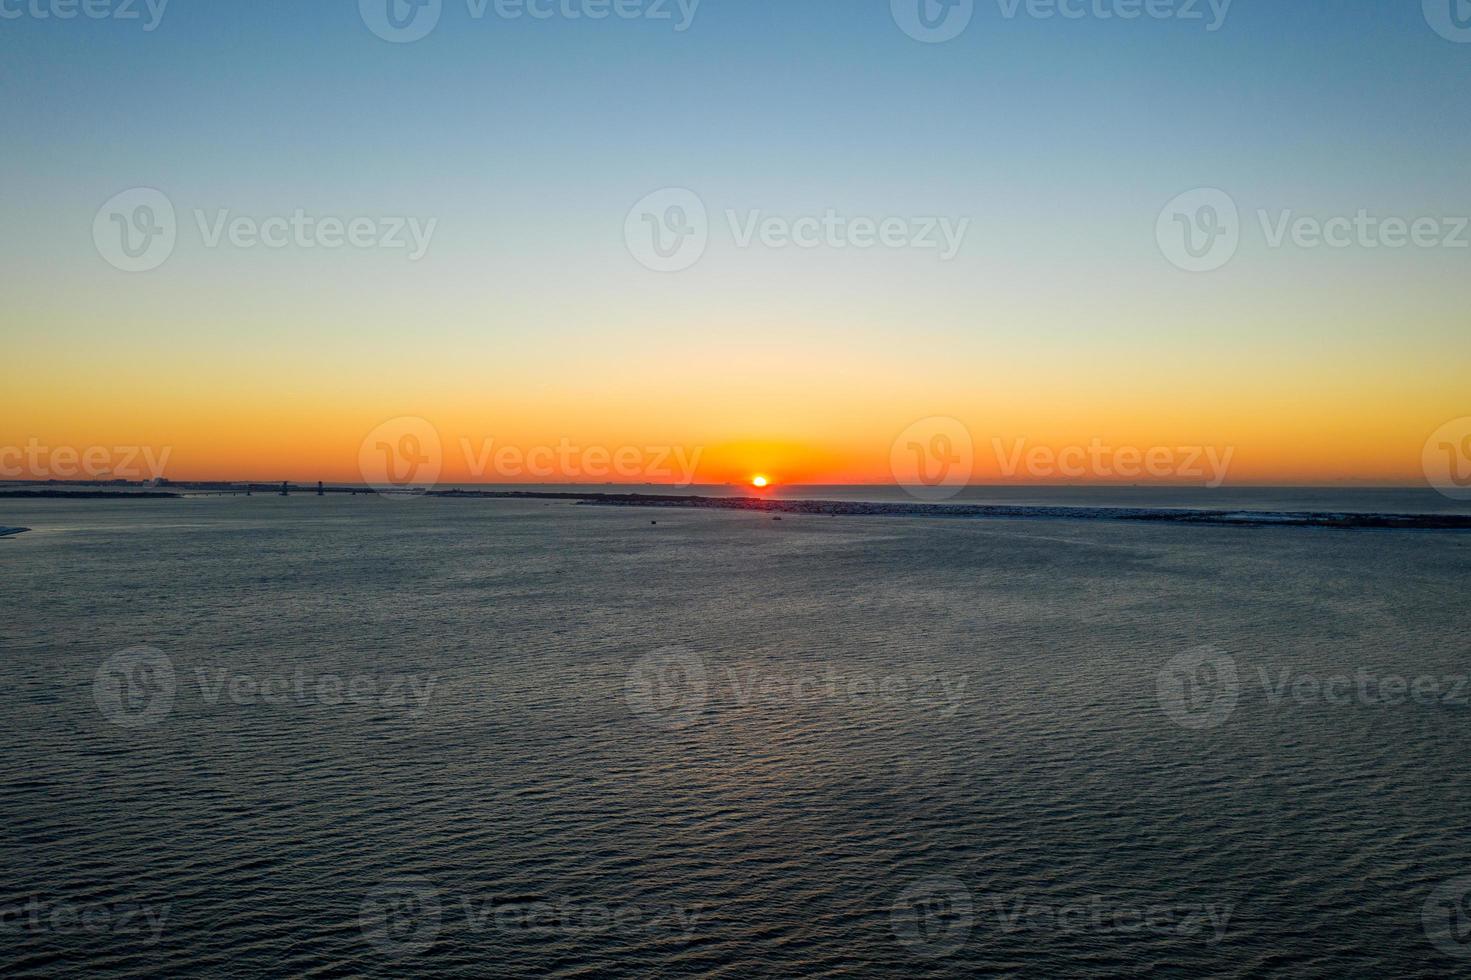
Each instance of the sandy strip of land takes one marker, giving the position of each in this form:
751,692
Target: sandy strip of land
842,508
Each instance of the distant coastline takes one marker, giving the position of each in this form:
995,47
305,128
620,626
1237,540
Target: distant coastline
840,508
1224,516
86,494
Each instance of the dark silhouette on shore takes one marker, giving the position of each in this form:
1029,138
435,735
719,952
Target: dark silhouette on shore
831,508
840,508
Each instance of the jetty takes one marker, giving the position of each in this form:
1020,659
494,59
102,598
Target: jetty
848,508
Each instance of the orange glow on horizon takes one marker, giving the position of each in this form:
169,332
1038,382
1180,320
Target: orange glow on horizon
92,424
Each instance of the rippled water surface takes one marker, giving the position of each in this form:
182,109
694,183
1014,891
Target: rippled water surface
264,736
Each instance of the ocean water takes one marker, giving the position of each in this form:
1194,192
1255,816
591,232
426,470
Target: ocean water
364,737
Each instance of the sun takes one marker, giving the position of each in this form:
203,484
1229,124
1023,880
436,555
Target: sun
759,482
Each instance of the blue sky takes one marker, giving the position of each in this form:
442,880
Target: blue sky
759,95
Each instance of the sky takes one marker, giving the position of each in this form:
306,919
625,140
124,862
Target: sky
531,153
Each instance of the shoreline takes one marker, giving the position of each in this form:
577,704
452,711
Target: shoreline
839,508
1349,520
86,494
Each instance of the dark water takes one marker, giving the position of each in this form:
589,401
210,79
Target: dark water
484,738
